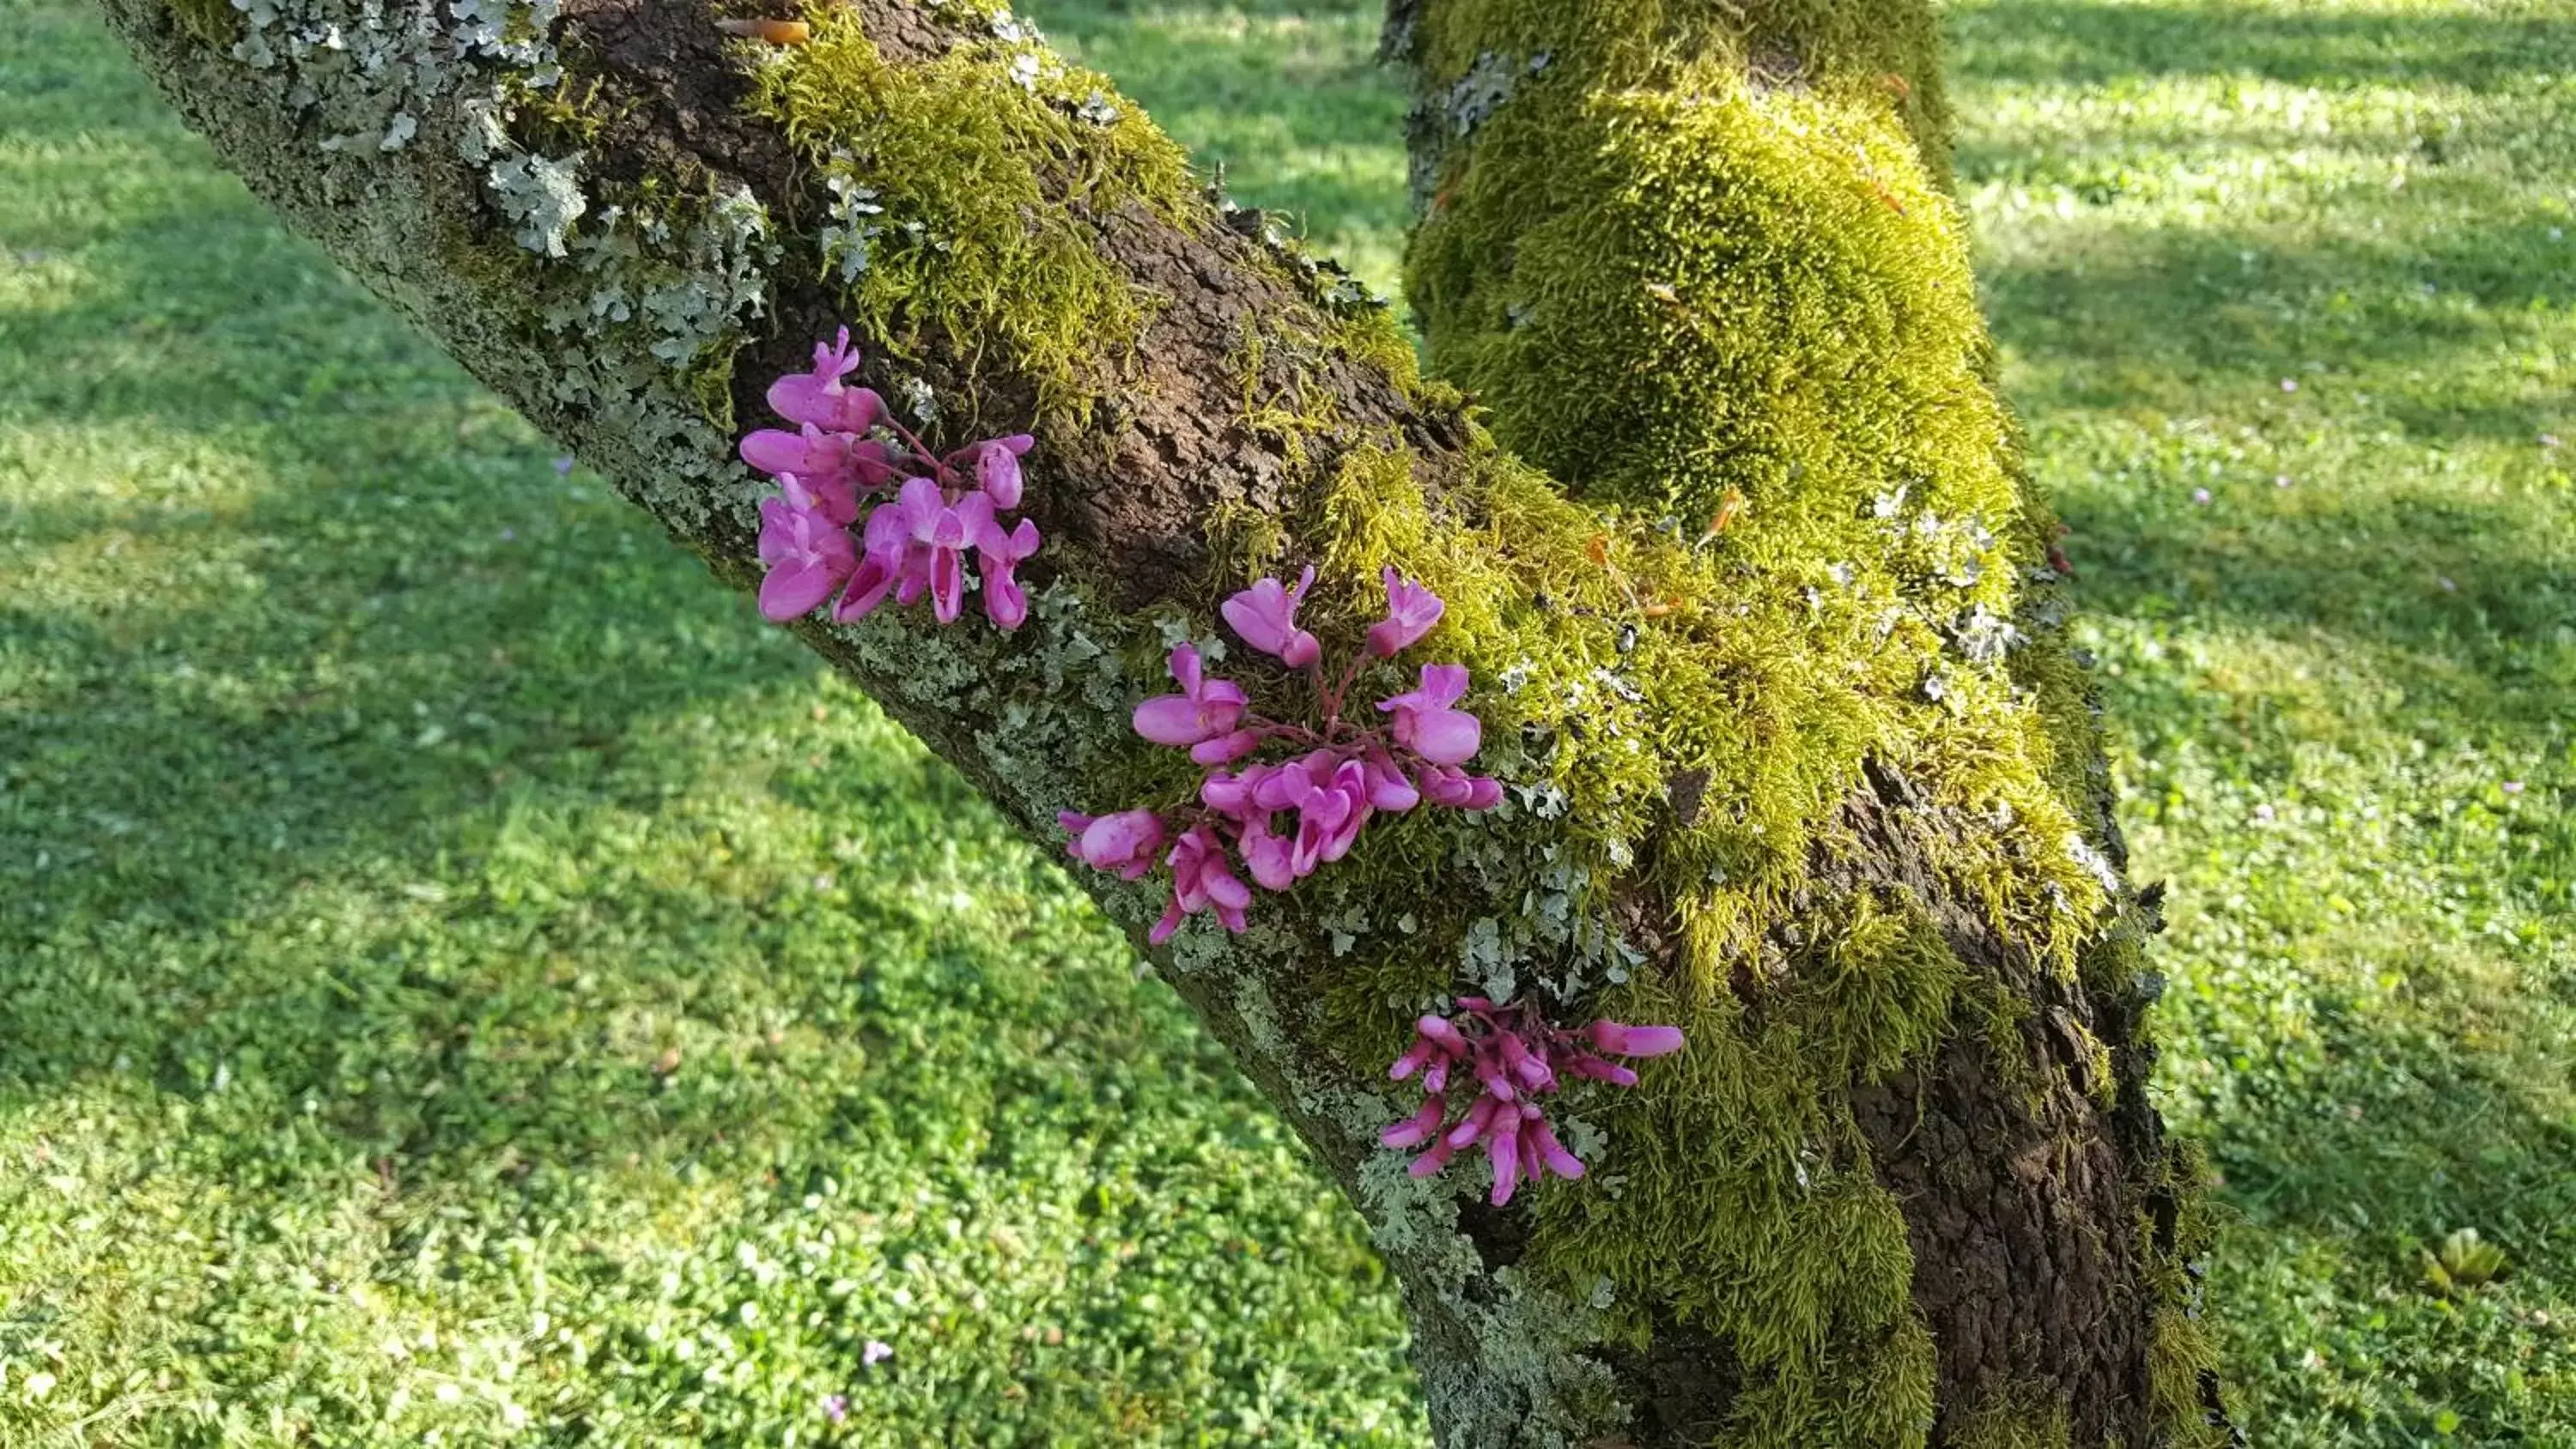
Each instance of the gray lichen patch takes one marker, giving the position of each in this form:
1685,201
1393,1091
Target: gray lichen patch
543,195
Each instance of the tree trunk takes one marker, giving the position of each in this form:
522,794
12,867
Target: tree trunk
1759,615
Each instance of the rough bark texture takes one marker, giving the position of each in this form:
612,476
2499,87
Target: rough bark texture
617,219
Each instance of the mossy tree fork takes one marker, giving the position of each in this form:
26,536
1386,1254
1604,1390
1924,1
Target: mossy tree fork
1760,606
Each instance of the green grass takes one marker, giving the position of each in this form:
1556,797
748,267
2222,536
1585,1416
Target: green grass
2343,688
458,970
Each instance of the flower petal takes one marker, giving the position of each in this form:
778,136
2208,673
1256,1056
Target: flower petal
1171,719
1447,736
791,590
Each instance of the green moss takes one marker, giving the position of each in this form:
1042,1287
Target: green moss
1735,316
1799,281
2181,1356
1876,993
1371,335
969,196
709,380
554,119
1276,360
1737,1193
2017,1417
1882,53
215,22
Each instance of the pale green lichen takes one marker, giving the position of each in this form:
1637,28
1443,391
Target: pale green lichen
543,196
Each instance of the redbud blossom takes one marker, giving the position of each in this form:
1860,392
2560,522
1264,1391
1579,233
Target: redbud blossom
1204,709
1284,817
1425,723
918,543
1124,843
1411,610
819,398
808,557
1515,1057
1001,554
1201,881
828,463
1266,616
996,462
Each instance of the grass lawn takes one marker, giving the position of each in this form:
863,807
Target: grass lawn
463,980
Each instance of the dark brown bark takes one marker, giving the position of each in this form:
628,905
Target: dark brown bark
2021,1190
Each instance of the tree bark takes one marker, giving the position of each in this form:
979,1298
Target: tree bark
1770,654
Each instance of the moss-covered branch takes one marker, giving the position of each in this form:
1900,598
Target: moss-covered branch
1703,263
1795,758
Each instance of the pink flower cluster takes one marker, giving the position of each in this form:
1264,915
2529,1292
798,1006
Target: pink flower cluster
1332,776
1515,1056
917,542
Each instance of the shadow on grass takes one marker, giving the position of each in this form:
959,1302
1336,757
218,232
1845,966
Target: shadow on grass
2136,317
2349,1141
2060,43
2450,603
2393,345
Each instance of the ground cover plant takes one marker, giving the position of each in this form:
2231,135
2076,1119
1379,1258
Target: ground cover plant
464,977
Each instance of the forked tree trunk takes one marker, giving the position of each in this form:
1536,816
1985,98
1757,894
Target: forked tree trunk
1760,615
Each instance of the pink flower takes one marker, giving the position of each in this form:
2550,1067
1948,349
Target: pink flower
1123,844
1266,616
888,560
1271,858
1595,1069
938,534
1515,1057
1232,794
1331,819
1329,794
1455,788
1005,602
1347,773
875,1351
1203,710
1633,1041
996,465
818,397
1411,610
1433,1158
828,463
1388,790
1504,1148
916,544
1201,881
1228,748
1551,1153
808,557
1425,723
834,501
1417,1128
